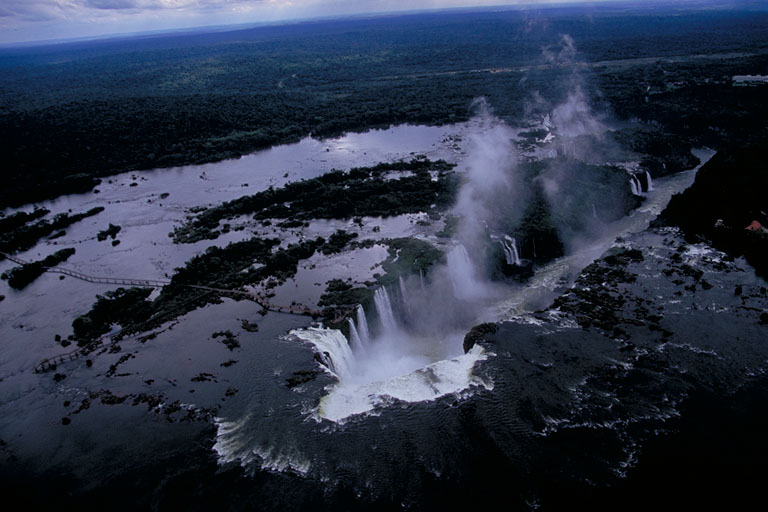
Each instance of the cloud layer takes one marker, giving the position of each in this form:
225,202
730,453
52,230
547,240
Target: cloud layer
28,20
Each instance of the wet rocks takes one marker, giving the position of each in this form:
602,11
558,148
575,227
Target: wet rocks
477,334
300,377
617,357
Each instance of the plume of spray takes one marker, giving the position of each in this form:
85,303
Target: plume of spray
488,198
573,117
569,185
420,320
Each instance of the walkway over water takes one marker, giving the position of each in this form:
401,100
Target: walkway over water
261,300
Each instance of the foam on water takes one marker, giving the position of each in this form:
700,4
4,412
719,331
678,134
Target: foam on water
232,446
332,347
423,384
401,369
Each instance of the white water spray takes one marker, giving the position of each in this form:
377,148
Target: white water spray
354,336
510,250
462,274
362,326
650,181
333,348
404,294
389,325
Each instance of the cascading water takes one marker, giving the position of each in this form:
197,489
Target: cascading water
462,274
637,187
649,180
395,363
387,320
362,326
404,294
415,351
508,257
510,251
333,348
354,336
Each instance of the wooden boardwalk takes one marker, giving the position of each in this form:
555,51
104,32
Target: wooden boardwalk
293,309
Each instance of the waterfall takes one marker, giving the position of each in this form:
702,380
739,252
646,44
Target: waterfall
404,294
332,347
462,273
508,257
637,187
513,244
354,336
510,250
650,181
362,326
384,310
421,279
594,211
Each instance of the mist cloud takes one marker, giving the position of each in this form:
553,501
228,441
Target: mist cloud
489,179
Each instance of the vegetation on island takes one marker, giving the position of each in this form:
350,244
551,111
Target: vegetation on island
15,220
228,339
121,306
228,268
586,197
22,233
19,277
362,191
110,232
342,293
663,153
337,242
407,256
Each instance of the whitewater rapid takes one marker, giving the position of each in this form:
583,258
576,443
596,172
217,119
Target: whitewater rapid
393,363
386,376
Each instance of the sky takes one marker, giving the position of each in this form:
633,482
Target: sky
34,20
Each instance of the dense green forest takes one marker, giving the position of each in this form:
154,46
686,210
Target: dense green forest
72,113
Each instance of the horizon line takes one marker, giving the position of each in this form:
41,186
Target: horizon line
234,27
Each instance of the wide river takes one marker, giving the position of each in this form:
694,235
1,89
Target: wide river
68,426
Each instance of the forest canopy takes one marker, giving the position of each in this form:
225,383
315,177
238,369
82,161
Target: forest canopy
73,113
